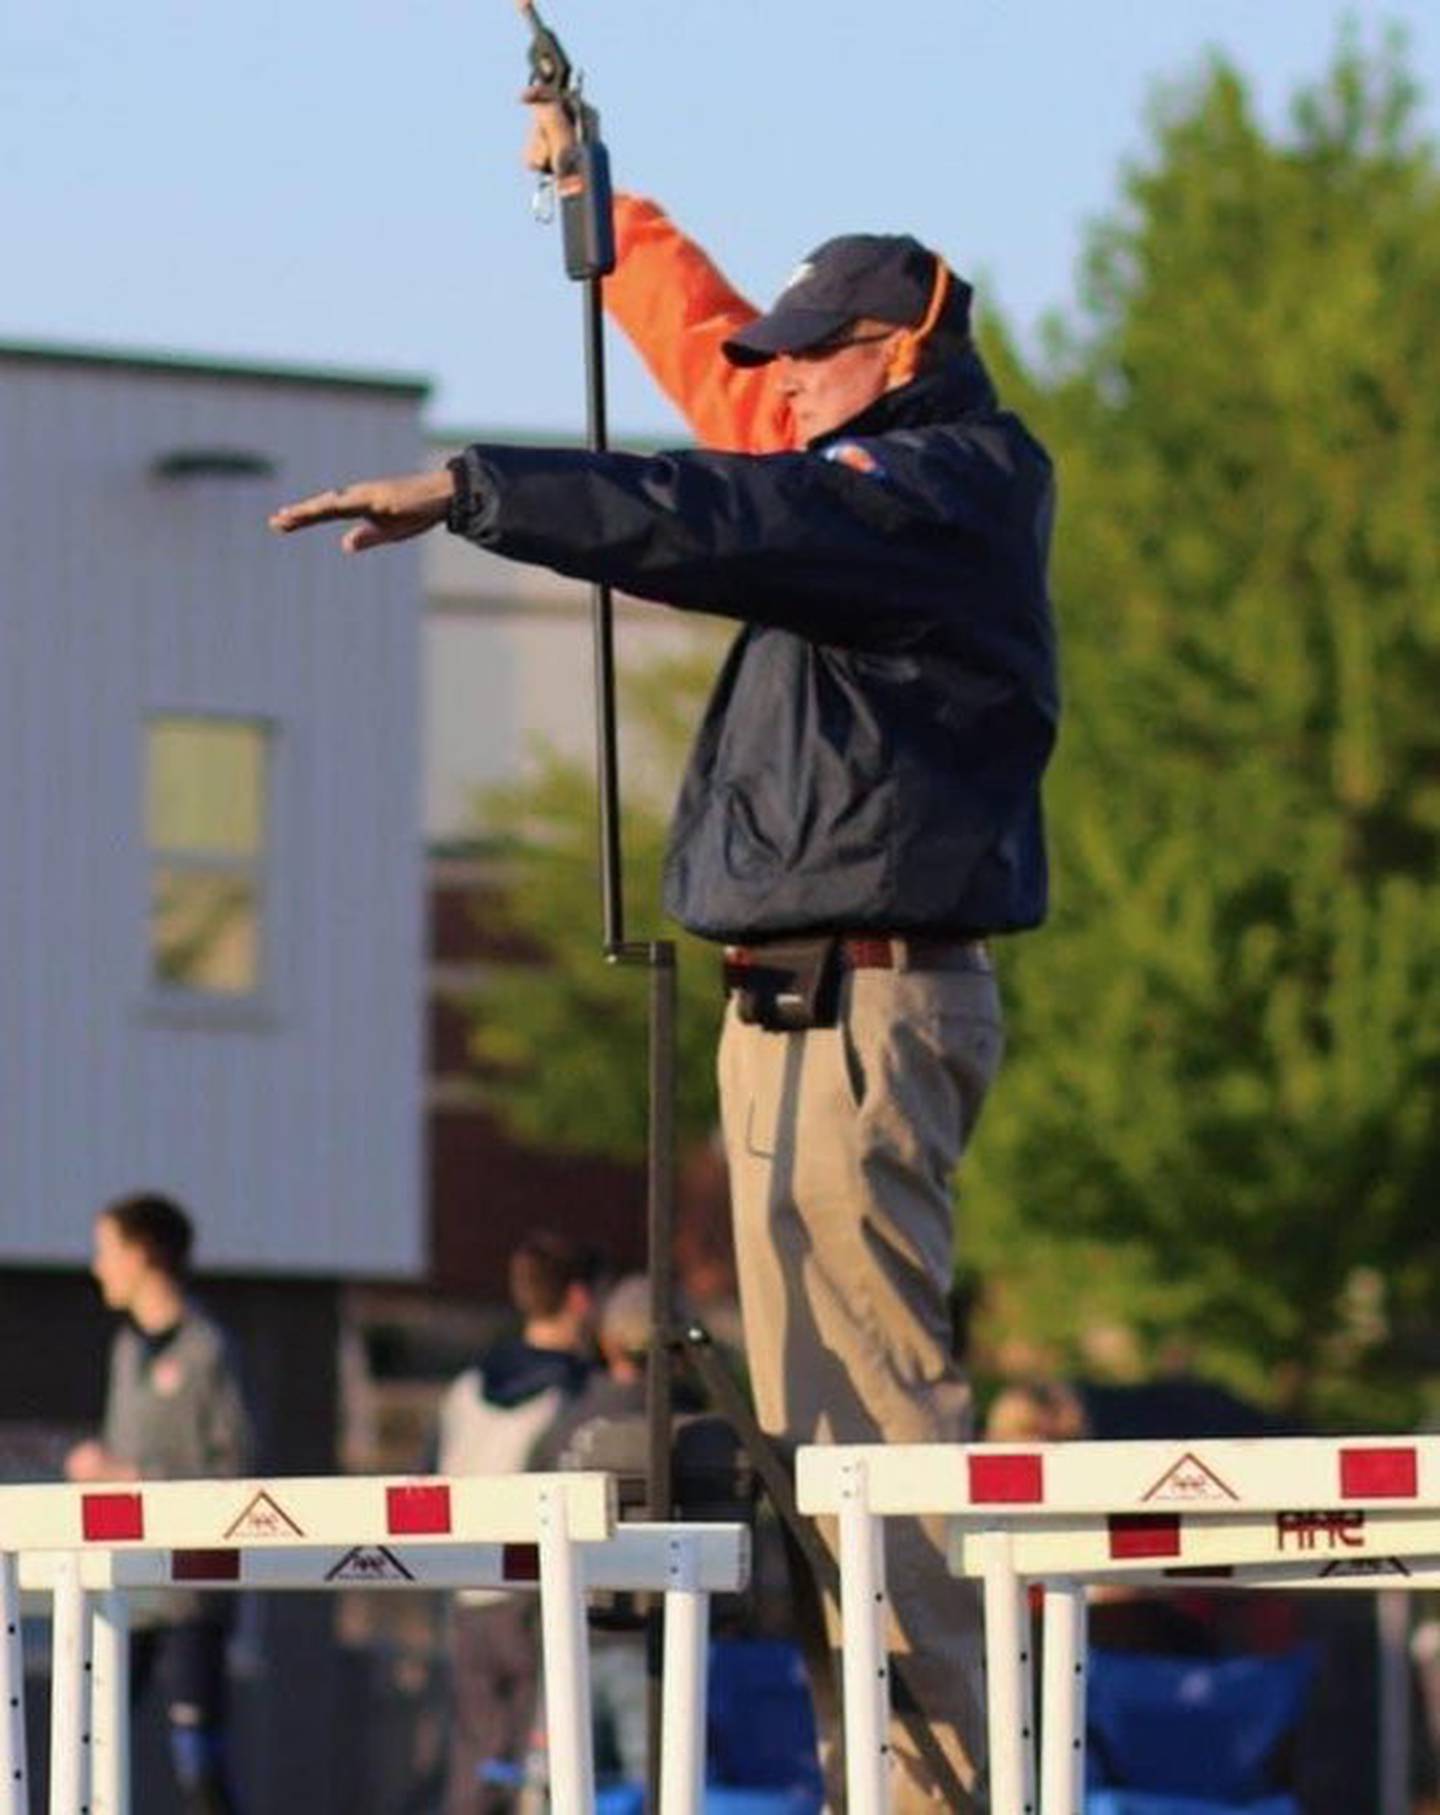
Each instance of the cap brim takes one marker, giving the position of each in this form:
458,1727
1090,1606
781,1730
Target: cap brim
782,331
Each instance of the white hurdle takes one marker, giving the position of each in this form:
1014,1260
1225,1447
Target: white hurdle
14,1777
70,1699
109,1701
1292,1512
551,1532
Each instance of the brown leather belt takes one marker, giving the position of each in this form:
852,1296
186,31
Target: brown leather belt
876,953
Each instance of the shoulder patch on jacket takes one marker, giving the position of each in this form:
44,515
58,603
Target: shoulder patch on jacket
859,459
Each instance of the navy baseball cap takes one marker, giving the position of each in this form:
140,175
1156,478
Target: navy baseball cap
884,276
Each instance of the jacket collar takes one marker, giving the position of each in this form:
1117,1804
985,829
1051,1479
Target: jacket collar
959,388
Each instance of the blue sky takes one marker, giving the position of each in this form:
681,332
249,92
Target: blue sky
317,183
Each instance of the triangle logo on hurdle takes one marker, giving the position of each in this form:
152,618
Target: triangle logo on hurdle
1365,1566
369,1563
1189,1481
264,1518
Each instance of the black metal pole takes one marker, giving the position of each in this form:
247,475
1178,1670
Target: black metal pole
659,1382
661,1233
657,955
602,618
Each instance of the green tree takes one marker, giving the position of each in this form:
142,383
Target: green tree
1218,1124
564,1043
1221,1117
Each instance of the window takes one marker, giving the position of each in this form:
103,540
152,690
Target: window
207,836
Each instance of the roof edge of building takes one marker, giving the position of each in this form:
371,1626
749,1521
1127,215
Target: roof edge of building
200,366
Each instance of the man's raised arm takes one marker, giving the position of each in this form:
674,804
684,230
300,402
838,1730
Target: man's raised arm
676,308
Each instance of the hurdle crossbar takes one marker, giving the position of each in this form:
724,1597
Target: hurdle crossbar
635,1559
1261,1474
1124,1542
353,1509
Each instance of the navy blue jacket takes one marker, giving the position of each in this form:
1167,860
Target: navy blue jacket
870,759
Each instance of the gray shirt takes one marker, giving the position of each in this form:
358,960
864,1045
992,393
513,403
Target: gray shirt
175,1411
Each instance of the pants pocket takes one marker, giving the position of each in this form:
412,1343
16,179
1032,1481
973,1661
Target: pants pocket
852,1059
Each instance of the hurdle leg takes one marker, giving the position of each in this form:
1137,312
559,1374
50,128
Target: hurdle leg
566,1656
110,1701
682,1717
865,1672
1062,1713
1009,1691
14,1787
1392,1630
69,1691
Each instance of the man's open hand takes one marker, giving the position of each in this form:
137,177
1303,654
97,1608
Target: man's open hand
388,510
551,137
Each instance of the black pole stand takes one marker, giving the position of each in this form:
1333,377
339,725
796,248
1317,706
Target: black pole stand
658,956
582,185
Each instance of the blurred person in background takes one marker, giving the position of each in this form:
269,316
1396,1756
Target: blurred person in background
491,1419
612,1407
174,1409
1036,1411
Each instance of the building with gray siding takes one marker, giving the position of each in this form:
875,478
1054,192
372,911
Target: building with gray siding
210,842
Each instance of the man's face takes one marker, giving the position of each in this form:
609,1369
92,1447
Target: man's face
117,1265
835,381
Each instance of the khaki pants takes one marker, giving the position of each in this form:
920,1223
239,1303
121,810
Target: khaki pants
842,1143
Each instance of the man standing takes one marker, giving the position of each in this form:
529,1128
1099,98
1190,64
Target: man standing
173,1410
491,1419
861,809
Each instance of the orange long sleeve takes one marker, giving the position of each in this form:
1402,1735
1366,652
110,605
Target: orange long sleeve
677,308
